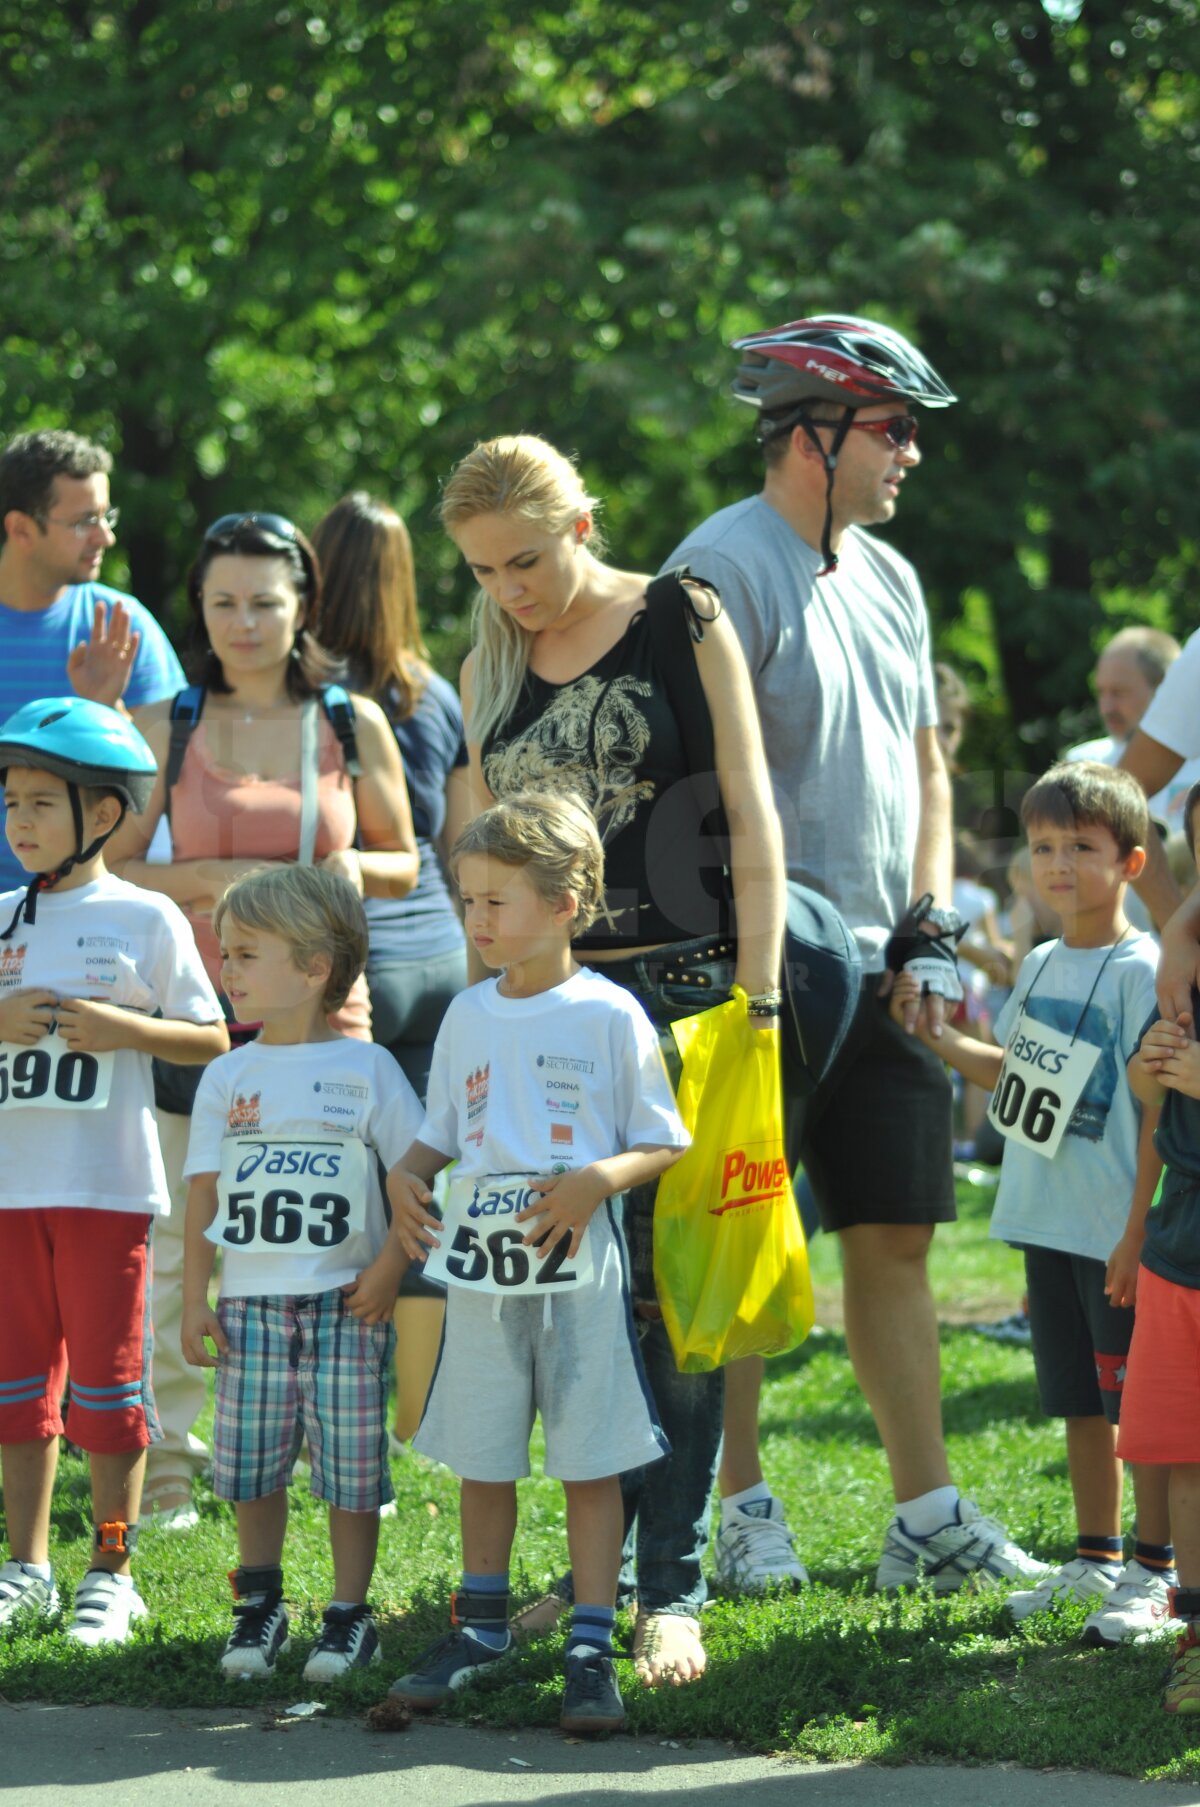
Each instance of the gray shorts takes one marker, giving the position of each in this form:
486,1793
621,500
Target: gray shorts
581,1370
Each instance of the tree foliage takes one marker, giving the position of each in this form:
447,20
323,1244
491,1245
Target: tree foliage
271,252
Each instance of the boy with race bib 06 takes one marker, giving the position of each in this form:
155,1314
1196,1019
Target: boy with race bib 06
1061,1099
95,978
549,1090
282,1163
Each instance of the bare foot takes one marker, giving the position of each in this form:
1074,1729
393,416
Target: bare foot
667,1648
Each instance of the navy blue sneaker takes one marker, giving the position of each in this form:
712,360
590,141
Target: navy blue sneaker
443,1669
591,1700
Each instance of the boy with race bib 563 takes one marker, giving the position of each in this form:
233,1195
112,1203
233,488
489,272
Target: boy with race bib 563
549,1088
282,1163
96,976
1071,1125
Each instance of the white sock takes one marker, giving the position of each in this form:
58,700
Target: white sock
749,1496
929,1511
42,1570
121,1580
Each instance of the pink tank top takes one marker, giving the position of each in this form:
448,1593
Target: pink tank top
219,814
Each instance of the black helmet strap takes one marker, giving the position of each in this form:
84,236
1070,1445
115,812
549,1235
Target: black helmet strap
829,459
45,881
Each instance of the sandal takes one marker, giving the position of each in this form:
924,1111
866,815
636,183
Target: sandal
180,1515
667,1647
539,1616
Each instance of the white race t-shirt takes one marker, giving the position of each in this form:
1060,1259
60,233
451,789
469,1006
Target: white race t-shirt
107,941
549,1083
1079,1202
312,1093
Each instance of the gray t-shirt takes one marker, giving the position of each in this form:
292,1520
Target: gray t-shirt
843,678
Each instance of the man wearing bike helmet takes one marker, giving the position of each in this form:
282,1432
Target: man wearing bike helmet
836,635
96,976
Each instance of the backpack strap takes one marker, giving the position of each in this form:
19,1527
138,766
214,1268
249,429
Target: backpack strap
187,706
339,712
676,626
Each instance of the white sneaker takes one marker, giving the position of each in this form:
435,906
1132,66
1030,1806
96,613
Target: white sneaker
973,1549
755,1551
1138,1609
1076,1580
105,1609
25,1596
259,1635
348,1640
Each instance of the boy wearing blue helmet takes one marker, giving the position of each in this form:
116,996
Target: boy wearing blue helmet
95,977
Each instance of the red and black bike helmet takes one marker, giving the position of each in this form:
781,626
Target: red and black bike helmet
836,358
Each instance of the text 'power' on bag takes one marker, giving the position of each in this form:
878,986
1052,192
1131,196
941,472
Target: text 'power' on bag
730,1263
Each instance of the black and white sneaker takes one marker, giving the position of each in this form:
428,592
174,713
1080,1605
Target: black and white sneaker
259,1635
348,1640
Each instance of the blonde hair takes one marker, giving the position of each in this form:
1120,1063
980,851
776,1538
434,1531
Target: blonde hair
313,911
523,476
552,837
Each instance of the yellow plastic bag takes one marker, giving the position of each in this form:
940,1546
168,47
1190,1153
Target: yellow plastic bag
730,1263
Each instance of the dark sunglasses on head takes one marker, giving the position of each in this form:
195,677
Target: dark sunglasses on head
901,429
277,524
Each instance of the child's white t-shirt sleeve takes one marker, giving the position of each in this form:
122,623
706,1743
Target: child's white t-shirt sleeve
394,1121
440,1127
210,1118
643,1103
184,990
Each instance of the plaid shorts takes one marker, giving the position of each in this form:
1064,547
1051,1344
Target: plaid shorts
302,1366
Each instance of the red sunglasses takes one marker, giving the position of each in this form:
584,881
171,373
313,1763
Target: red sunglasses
901,429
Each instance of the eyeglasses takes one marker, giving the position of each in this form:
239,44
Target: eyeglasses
87,523
277,524
901,429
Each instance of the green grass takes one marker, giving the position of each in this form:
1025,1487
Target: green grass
835,1672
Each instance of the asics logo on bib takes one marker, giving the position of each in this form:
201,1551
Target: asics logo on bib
321,1163
496,1203
1035,1054
749,1180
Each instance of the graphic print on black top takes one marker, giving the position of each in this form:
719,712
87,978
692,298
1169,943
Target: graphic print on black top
611,735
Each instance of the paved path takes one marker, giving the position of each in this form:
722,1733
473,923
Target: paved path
126,1757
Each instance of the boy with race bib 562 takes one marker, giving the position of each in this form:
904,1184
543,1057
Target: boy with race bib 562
1061,1099
282,1163
549,1089
96,976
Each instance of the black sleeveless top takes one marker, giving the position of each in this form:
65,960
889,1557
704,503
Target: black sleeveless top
612,736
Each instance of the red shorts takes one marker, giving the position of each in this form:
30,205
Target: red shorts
1160,1409
77,1293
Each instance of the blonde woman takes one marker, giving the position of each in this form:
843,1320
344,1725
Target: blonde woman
564,689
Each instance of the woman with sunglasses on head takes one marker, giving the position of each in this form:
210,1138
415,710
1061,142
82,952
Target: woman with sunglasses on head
417,960
567,686
262,779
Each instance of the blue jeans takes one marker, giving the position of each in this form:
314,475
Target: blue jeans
667,1504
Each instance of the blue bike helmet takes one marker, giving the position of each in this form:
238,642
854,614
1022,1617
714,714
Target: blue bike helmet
84,743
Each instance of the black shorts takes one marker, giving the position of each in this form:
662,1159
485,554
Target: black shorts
1080,1341
879,1146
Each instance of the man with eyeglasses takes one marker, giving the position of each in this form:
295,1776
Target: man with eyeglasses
58,625
835,632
